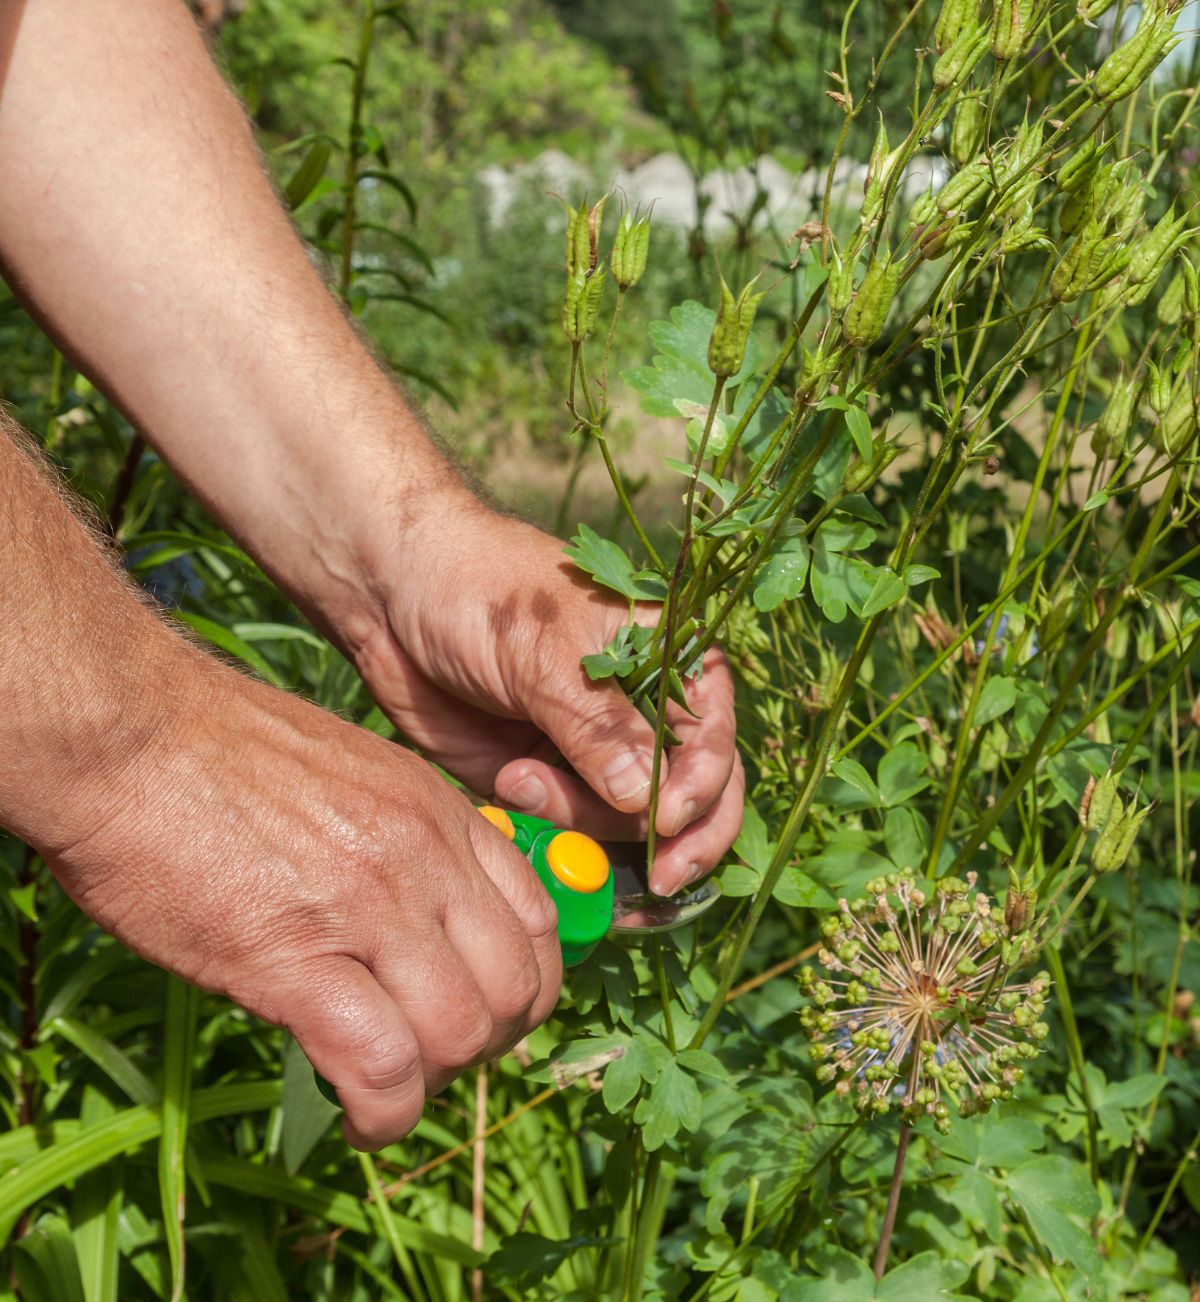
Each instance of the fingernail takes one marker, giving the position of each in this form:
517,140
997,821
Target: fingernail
529,793
694,871
628,776
687,812
665,885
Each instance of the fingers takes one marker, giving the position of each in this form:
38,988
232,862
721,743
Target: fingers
702,763
601,734
519,964
685,858
358,1039
701,794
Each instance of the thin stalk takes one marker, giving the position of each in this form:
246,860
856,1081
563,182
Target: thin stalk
1189,1156
354,148
893,1202
1076,1054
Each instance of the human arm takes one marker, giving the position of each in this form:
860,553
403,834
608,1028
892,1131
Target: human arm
253,844
136,217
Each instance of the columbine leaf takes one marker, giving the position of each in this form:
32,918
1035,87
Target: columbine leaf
610,567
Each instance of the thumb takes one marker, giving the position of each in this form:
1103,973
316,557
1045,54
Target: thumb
602,735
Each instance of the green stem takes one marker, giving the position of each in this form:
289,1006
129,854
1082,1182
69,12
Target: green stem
1076,1054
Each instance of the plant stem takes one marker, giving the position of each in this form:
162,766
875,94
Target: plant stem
893,1202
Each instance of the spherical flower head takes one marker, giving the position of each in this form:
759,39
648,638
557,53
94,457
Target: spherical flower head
915,1007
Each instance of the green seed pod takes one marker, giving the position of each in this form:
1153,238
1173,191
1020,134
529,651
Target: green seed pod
923,211
1159,389
581,307
865,317
1191,289
1115,842
966,132
815,371
1128,66
1020,902
1096,806
953,17
731,333
1023,235
1077,207
1011,27
840,285
1177,429
631,248
1071,275
1090,10
1170,306
963,188
1080,169
1152,253
961,57
1111,430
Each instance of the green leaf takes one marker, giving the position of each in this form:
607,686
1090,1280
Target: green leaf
737,880
112,1061
24,899
672,1103
1052,1191
781,577
179,1046
306,1114
859,425
402,188
922,1278
307,1196
902,774
84,1148
889,588
752,844
798,890
304,179
644,1060
852,772
915,574
999,695
229,641
45,1263
1097,500
906,835
609,566
95,1214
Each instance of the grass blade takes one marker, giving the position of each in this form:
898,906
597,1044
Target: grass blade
178,1052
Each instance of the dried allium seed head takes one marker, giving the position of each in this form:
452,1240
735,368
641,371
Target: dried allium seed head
917,1008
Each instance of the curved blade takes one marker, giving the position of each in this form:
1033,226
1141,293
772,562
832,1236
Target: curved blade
636,910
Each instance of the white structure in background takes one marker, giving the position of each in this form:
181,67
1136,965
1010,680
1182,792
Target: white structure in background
666,181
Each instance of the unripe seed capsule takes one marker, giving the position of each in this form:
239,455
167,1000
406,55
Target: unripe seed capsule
865,317
961,58
966,133
953,17
735,317
631,248
1011,30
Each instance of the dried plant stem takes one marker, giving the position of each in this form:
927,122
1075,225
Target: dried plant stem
893,1202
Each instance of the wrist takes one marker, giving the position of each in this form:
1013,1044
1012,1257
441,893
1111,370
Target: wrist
80,762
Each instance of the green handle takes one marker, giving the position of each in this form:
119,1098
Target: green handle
576,874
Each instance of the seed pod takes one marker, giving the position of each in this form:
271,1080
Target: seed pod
1115,842
1191,289
1011,27
1108,438
1019,903
1170,306
966,133
878,176
865,317
581,307
1071,275
1159,389
961,57
1090,10
1077,207
631,248
1023,235
963,188
815,371
1152,253
923,211
1096,807
1131,63
1080,169
840,285
1178,427
953,17
735,317
583,233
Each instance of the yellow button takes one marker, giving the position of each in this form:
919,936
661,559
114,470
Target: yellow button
499,819
577,861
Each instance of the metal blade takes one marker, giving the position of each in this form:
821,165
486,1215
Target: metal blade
639,912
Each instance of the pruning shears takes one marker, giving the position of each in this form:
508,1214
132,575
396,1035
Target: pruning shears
599,889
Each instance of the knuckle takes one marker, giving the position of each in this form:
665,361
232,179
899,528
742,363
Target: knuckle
519,995
384,1062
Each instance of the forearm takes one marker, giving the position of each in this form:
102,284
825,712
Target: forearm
136,217
79,655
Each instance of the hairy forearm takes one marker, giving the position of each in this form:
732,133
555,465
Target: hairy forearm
79,655
136,217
